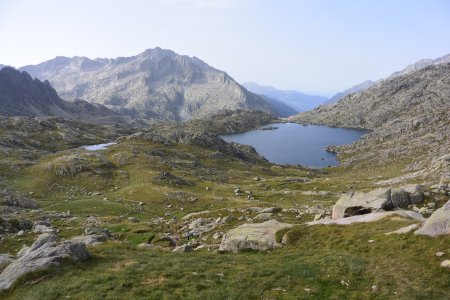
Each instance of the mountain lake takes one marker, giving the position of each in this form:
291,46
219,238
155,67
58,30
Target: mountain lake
294,144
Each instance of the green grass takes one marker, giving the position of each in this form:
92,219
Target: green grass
402,267
316,258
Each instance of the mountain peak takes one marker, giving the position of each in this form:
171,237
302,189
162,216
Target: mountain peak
156,84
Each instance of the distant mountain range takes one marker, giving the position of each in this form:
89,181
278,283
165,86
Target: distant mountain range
281,109
157,84
21,95
354,89
297,100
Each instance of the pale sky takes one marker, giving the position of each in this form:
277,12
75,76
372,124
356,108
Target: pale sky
314,46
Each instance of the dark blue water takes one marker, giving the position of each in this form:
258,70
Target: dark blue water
296,144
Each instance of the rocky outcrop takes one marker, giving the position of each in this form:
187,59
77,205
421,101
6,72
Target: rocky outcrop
42,254
357,203
156,84
370,217
259,236
438,223
204,133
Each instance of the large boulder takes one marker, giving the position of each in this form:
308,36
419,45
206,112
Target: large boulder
357,203
438,223
43,253
259,236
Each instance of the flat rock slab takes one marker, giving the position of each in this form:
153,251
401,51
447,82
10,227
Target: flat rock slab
259,236
372,217
438,223
404,230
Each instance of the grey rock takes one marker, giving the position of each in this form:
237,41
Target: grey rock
201,226
183,248
446,264
5,259
90,240
96,230
357,203
43,253
399,198
263,217
258,236
40,228
404,230
438,223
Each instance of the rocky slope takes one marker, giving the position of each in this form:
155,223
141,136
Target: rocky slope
295,99
409,69
21,95
156,84
409,116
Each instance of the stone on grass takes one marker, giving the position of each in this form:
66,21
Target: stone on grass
404,230
183,248
446,264
438,223
258,236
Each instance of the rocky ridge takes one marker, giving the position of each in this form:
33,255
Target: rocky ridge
157,84
21,95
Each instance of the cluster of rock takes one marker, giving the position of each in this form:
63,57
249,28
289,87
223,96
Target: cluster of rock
371,206
358,203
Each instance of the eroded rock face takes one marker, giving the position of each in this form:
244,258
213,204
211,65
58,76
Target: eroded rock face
438,223
43,253
259,236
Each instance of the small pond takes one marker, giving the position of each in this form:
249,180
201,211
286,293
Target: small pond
98,146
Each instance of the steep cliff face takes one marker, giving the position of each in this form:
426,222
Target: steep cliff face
21,95
157,84
409,116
